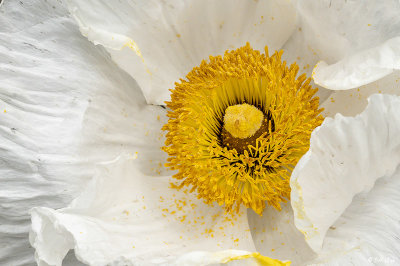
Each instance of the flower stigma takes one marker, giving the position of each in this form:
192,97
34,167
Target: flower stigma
243,124
238,124
242,120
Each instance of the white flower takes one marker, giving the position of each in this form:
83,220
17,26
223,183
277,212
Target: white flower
66,107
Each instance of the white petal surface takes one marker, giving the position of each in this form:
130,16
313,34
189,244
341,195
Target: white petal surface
357,41
368,232
49,77
127,217
42,100
159,42
347,155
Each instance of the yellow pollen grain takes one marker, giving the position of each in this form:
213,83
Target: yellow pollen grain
133,46
183,218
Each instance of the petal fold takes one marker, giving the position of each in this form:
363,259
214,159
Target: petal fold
346,156
368,231
361,68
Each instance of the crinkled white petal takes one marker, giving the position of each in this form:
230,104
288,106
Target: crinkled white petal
50,76
368,232
346,156
361,68
127,217
159,42
275,234
47,74
357,42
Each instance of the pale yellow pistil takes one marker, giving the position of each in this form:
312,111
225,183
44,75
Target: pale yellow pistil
243,125
243,120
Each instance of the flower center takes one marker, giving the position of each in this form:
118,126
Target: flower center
238,125
243,124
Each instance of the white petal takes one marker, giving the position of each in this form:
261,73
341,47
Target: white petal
125,216
50,75
346,156
158,43
361,68
275,234
368,232
357,41
44,91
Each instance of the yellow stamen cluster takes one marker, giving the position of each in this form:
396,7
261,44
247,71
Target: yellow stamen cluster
259,172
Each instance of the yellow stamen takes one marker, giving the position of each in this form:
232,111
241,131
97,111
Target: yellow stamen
224,160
